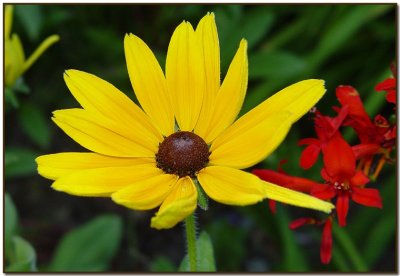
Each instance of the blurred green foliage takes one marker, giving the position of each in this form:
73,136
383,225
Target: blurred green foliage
89,247
340,43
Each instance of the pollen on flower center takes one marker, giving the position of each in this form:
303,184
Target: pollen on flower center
182,153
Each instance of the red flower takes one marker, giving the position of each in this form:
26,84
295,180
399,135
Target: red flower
300,222
326,239
342,179
378,135
357,117
284,180
326,242
291,182
388,85
325,127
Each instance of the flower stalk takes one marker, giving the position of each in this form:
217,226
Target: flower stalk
190,228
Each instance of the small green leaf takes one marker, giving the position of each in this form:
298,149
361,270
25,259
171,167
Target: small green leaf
21,87
205,252
35,124
23,258
19,162
205,255
11,221
89,247
10,97
202,199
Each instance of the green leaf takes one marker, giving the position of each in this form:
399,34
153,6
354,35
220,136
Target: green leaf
162,264
253,27
11,221
205,255
23,258
274,65
31,18
381,227
343,29
21,87
35,124
10,97
19,162
343,240
381,233
89,247
293,258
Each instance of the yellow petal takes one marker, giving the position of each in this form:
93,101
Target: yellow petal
104,181
149,83
8,19
295,198
185,76
243,145
297,98
180,203
40,50
53,166
146,194
231,94
101,97
231,186
207,36
101,135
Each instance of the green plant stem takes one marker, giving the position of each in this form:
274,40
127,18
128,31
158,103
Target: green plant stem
190,228
353,255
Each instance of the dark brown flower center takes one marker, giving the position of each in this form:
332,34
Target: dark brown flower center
182,153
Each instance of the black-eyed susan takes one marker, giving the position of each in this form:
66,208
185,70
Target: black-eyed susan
184,131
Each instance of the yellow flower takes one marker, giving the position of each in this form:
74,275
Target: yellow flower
144,158
15,62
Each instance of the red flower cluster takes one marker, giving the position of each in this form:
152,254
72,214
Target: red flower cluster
346,169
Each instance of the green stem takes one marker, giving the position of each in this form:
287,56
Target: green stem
190,228
348,246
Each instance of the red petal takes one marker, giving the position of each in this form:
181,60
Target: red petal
272,206
359,179
291,182
323,128
300,222
326,243
339,159
323,191
326,176
391,96
363,150
367,196
309,141
389,83
337,121
272,176
342,208
309,156
347,95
